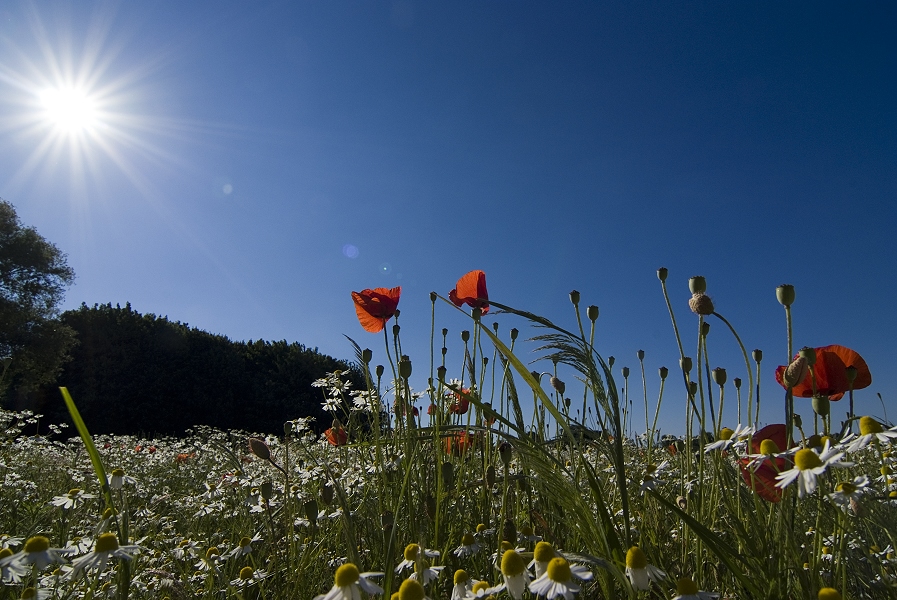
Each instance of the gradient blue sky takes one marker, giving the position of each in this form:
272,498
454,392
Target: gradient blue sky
255,162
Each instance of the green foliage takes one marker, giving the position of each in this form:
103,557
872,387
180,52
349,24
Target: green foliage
142,373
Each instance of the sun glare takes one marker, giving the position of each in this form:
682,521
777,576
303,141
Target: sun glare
69,109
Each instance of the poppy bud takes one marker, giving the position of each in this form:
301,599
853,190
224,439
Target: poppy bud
495,326
288,428
490,476
336,424
719,376
267,490
567,402
737,382
705,329
625,372
366,356
796,372
685,364
476,313
444,350
433,296
326,493
798,422
311,511
430,505
440,373
610,362
592,313
485,360
785,294
509,531
701,304
851,373
640,354
505,451
448,475
405,367
444,332
681,502
663,373
465,335
379,370
574,297
692,388
821,405
259,448
514,333
662,273
697,285
809,354
558,385
396,329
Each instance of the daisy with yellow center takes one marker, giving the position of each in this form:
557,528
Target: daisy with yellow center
468,546
849,491
248,577
105,547
828,593
481,591
808,465
871,431
728,437
463,583
513,569
409,590
639,572
558,579
686,589
348,583
37,552
412,555
542,555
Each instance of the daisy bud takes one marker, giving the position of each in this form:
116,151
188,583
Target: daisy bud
821,405
610,362
640,354
592,313
259,448
737,383
514,333
785,294
625,372
663,373
405,367
558,385
809,354
465,336
697,285
719,376
379,370
685,364
574,297
366,356
662,273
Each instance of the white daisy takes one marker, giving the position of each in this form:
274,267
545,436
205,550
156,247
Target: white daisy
481,590
514,571
542,555
871,431
688,590
248,577
118,478
36,552
558,580
849,490
463,584
808,465
728,437
468,546
639,572
105,547
412,555
73,499
348,584
244,547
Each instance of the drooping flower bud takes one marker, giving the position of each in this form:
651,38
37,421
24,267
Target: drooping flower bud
259,448
785,294
558,385
662,273
796,372
697,285
719,376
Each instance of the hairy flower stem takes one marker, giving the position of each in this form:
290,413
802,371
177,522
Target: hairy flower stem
789,394
747,365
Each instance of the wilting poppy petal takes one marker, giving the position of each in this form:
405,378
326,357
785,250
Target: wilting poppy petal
375,307
471,290
831,373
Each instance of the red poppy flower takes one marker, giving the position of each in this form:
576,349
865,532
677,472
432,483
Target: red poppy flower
460,405
375,307
337,436
460,442
763,479
471,290
831,373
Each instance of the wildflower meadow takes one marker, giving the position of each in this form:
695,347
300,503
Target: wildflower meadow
495,481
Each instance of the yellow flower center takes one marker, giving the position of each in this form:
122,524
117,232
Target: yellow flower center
461,576
481,528
411,551
726,434
544,552
108,513
636,559
5,552
28,592
806,459
506,545
559,570
411,590
511,563
526,530
686,587
246,573
651,468
37,544
826,550
480,585
184,543
74,492
346,575
213,551
118,472
892,495
768,447
467,539
885,470
846,487
107,542
868,425
245,541
828,593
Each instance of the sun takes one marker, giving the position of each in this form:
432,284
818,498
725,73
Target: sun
70,110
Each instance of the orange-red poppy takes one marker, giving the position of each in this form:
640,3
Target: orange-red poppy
831,373
459,404
459,442
337,436
376,307
471,290
763,479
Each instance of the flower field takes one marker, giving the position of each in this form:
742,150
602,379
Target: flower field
509,484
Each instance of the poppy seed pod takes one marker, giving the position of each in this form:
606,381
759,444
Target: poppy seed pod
697,285
448,475
640,354
490,476
259,448
476,313
379,370
433,296
326,493
610,362
785,294
685,364
387,520
701,304
821,405
366,356
509,531
719,376
267,490
405,367
514,333
592,313
757,355
444,332
495,326
311,510
662,273
444,350
485,360
465,336
851,373
737,383
692,388
505,451
795,372
396,329
574,297
625,372
440,373
809,354
705,328
663,372
558,385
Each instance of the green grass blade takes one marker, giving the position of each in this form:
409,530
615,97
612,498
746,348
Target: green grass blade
89,445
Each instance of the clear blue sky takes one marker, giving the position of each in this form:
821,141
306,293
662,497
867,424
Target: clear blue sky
249,164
